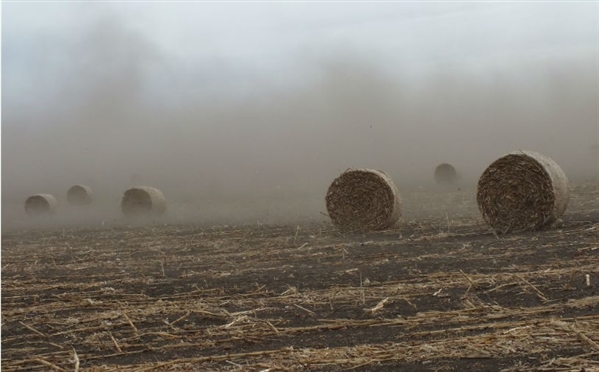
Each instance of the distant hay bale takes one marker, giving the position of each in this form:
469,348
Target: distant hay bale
363,200
445,174
80,195
143,200
522,191
40,204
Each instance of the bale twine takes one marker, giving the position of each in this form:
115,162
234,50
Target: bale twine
143,200
522,191
80,195
363,200
40,204
445,174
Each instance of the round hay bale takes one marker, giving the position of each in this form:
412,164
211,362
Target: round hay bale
143,200
445,174
80,195
363,200
40,204
522,191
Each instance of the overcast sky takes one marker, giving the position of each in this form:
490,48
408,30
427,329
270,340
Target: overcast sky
228,47
96,92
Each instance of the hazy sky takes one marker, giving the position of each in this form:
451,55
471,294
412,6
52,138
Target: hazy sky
230,48
223,100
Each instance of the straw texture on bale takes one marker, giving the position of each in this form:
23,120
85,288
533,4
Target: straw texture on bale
363,200
445,174
80,195
522,191
143,200
40,204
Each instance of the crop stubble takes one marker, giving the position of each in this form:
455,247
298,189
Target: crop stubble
438,292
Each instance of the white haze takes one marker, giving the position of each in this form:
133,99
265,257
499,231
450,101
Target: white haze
245,112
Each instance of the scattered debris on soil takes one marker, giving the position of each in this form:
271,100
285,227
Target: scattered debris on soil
434,293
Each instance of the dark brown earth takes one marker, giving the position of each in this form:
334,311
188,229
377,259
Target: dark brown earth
439,292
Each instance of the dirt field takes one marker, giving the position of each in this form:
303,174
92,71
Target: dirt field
439,292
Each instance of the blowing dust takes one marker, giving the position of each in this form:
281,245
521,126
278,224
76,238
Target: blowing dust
246,150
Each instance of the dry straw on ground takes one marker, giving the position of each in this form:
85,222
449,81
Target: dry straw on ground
141,299
40,204
445,174
143,200
363,200
80,195
522,191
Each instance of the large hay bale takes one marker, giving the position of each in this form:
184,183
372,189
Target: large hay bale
522,191
40,204
363,200
80,195
143,200
445,174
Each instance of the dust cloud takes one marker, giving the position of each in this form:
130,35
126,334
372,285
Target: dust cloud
241,149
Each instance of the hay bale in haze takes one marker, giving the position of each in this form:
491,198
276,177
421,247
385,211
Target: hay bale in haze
80,195
522,191
143,200
40,204
363,200
445,174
